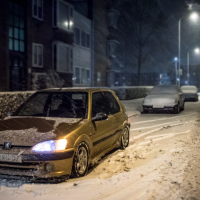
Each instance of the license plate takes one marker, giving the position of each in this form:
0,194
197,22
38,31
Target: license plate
158,106
10,158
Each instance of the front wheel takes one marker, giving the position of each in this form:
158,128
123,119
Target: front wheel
125,138
80,162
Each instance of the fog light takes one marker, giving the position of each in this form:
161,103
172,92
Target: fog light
49,167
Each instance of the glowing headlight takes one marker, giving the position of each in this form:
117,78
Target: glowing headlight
52,145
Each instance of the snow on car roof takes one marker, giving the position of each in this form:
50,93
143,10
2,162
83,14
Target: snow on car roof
162,89
190,88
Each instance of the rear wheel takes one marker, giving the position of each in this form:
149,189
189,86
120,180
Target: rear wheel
145,111
125,138
177,109
183,107
80,162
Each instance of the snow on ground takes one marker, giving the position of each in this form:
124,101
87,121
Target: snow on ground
161,162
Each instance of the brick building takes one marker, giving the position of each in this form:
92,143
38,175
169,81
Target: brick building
35,36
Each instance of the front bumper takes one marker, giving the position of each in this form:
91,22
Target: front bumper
36,165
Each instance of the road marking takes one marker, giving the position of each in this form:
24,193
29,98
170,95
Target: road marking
167,118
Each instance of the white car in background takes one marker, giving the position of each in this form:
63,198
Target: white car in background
190,92
164,98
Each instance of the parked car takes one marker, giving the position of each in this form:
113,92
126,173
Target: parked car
190,92
165,98
56,133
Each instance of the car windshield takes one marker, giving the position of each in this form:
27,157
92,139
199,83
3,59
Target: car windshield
64,105
164,89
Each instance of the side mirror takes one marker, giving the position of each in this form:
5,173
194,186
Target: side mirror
100,116
9,113
147,93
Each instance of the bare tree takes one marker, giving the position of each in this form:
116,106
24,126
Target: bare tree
139,26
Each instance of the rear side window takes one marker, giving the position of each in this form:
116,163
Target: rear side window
115,108
99,104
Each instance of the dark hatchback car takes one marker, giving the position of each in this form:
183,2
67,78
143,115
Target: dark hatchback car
57,133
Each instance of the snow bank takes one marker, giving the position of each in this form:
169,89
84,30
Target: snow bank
135,92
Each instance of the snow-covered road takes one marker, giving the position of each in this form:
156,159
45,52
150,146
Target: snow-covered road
161,162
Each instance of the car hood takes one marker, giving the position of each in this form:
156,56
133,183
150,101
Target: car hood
28,131
162,99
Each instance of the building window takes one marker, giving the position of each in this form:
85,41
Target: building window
98,79
77,36
85,39
81,76
83,42
37,9
63,57
16,27
111,46
63,15
37,55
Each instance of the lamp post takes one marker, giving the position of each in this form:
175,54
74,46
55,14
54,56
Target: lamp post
197,50
194,16
176,60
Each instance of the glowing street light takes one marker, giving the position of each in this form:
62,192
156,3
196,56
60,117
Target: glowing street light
197,51
194,17
176,60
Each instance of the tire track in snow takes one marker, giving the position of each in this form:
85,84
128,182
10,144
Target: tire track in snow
160,128
160,137
166,118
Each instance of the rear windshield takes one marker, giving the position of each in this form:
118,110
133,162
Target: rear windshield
165,89
64,105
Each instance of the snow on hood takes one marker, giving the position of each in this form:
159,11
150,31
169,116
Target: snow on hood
189,89
28,131
162,99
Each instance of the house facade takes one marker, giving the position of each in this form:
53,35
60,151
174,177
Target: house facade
36,38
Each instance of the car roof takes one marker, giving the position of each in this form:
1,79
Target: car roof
75,89
188,86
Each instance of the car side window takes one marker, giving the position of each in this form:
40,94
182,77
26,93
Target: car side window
115,108
99,104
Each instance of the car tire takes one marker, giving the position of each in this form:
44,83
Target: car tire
80,161
177,109
145,111
183,107
125,138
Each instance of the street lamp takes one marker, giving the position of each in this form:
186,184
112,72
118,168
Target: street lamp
197,50
194,16
176,60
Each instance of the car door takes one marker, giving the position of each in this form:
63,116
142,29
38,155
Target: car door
102,130
116,112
